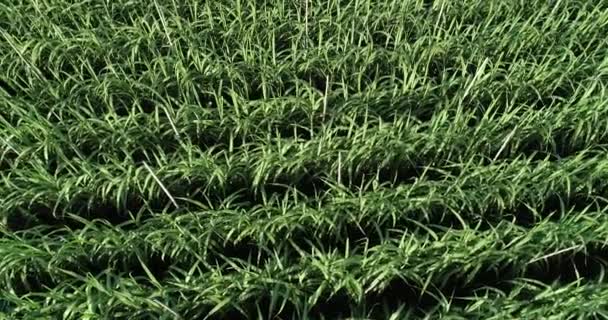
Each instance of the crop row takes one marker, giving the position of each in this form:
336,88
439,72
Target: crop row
422,262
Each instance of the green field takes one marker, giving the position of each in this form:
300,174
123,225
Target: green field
329,159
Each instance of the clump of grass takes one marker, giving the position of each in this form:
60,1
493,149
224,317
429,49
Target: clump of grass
303,159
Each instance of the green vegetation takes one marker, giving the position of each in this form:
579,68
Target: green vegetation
303,160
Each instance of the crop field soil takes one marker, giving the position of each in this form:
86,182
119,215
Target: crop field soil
305,159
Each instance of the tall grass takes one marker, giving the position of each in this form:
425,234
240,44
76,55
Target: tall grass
303,159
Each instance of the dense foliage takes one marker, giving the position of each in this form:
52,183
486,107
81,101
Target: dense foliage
305,159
